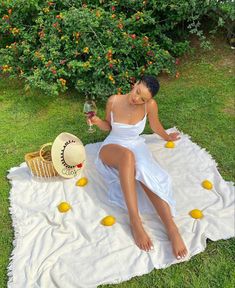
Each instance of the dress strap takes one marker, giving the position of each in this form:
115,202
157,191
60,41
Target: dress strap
113,101
111,112
111,115
145,108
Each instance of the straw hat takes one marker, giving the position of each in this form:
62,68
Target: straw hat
68,155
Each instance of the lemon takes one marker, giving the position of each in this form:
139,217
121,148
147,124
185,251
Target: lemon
108,220
82,181
196,213
207,184
170,144
64,207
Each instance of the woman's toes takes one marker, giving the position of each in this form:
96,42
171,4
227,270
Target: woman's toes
143,247
184,253
181,254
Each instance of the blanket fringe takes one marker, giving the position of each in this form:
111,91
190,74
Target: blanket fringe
17,238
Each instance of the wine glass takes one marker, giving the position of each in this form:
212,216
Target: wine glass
90,110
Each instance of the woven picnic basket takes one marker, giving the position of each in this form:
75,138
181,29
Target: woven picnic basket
40,162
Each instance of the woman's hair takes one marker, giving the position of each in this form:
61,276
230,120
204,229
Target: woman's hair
151,82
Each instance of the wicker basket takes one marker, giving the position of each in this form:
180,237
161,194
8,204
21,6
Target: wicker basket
40,162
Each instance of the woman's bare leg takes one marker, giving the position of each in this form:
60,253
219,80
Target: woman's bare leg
123,159
164,212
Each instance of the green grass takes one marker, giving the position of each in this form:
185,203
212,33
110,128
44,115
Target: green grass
200,103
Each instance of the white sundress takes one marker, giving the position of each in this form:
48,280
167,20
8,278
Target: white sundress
148,171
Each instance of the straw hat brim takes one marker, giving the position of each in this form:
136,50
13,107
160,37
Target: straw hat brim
56,150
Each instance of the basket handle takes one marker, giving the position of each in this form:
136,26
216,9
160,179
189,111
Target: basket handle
40,152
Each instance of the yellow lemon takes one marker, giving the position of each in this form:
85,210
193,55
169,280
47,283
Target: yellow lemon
82,181
108,220
196,213
207,184
170,144
64,207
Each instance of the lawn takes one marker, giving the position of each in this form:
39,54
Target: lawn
199,103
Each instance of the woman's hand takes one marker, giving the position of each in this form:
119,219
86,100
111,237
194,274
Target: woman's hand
93,120
101,124
173,136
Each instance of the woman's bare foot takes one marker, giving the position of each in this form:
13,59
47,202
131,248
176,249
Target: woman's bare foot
178,246
142,239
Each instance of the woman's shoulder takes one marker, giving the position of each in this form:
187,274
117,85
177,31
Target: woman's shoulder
112,98
110,101
151,104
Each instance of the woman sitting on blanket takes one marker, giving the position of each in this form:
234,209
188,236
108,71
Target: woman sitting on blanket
123,145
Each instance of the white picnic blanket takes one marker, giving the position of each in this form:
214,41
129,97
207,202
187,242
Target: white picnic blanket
73,250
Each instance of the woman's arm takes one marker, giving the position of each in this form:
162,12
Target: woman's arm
155,123
104,124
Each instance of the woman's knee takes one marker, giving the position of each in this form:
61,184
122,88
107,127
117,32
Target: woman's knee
127,157
116,155
127,161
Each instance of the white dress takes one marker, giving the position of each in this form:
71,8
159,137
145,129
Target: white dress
148,171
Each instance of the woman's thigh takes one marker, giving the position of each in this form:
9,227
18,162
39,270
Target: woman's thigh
114,155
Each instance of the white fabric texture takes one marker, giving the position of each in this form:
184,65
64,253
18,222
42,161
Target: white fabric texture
73,250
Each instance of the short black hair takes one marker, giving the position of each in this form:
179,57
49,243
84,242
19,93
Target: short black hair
151,82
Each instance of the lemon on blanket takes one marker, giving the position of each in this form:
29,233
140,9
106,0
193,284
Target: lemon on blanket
82,181
207,184
108,220
196,213
64,207
170,144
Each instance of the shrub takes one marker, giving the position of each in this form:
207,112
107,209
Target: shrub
98,47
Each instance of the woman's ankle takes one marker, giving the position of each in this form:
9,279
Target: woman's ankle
172,228
135,220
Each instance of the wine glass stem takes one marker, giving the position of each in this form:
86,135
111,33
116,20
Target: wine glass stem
90,124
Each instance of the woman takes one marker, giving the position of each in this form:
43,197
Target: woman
124,158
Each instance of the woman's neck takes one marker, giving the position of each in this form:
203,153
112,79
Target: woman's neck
128,100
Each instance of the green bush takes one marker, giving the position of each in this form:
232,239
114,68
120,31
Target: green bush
98,47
